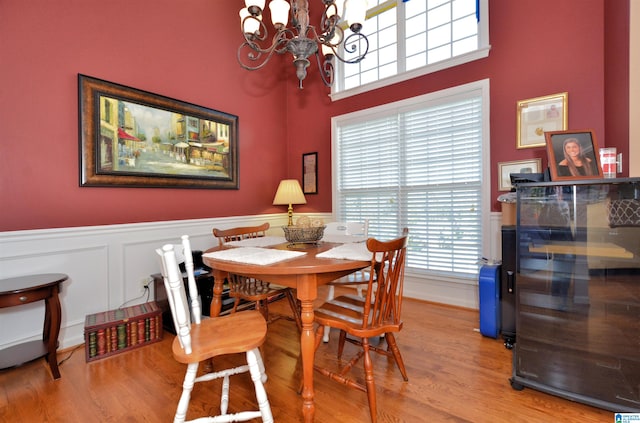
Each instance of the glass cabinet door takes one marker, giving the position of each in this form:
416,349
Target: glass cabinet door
578,291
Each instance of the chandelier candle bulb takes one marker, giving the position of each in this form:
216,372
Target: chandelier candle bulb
279,13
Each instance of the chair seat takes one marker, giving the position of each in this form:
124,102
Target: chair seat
346,313
228,339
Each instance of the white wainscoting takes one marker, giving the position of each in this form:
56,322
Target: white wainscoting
106,264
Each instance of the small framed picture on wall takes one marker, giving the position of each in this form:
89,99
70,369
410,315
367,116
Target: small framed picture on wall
310,173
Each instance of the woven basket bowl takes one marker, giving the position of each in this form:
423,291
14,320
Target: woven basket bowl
306,235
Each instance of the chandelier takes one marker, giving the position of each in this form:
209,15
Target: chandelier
301,39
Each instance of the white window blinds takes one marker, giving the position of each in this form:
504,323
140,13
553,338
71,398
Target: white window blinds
418,166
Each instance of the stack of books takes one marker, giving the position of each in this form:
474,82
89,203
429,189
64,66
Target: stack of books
115,331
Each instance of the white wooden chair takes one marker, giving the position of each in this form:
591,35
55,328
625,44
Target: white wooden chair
344,232
198,341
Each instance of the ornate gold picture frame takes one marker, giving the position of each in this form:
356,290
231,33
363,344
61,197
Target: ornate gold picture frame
535,116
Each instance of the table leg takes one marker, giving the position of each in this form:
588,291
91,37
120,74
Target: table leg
52,320
218,284
307,292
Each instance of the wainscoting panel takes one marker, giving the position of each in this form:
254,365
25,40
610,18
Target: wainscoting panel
106,265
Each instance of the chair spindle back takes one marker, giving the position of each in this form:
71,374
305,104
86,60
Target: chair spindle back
383,304
240,233
176,293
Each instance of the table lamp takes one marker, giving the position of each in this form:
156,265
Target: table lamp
289,192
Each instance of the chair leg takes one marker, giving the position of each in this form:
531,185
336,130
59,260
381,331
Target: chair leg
224,396
263,310
295,310
327,329
341,340
236,303
263,372
261,394
370,383
187,387
393,347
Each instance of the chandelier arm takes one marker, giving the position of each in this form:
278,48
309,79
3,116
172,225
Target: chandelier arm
328,24
278,42
261,57
312,34
250,51
259,35
355,42
327,70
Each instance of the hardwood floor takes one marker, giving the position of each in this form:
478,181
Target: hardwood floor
455,375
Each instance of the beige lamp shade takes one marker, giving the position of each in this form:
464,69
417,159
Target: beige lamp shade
289,192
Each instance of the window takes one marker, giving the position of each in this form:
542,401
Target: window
419,163
412,38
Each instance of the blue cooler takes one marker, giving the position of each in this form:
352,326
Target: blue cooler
489,293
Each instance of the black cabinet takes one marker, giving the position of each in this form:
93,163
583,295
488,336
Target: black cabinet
507,286
204,281
578,292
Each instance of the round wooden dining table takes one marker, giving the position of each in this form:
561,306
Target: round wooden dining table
304,273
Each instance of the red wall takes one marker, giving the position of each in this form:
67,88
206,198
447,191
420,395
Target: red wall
183,50
189,53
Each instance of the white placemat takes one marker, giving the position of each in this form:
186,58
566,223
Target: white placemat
254,255
351,251
343,239
263,241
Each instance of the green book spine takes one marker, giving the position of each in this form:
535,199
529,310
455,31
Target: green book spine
93,345
122,336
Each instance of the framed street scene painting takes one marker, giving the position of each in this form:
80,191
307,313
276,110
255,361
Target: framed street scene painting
133,138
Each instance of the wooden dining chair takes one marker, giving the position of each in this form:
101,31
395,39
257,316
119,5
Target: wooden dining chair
346,232
252,289
360,319
199,340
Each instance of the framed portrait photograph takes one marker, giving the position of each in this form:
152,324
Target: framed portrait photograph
536,116
134,138
505,169
573,155
310,173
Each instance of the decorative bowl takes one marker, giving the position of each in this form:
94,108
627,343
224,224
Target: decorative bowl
296,234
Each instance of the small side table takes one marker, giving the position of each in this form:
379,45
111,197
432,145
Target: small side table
28,289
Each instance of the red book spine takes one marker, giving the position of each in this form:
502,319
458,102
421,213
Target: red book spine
133,330
114,338
129,335
152,328
101,342
107,339
141,337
